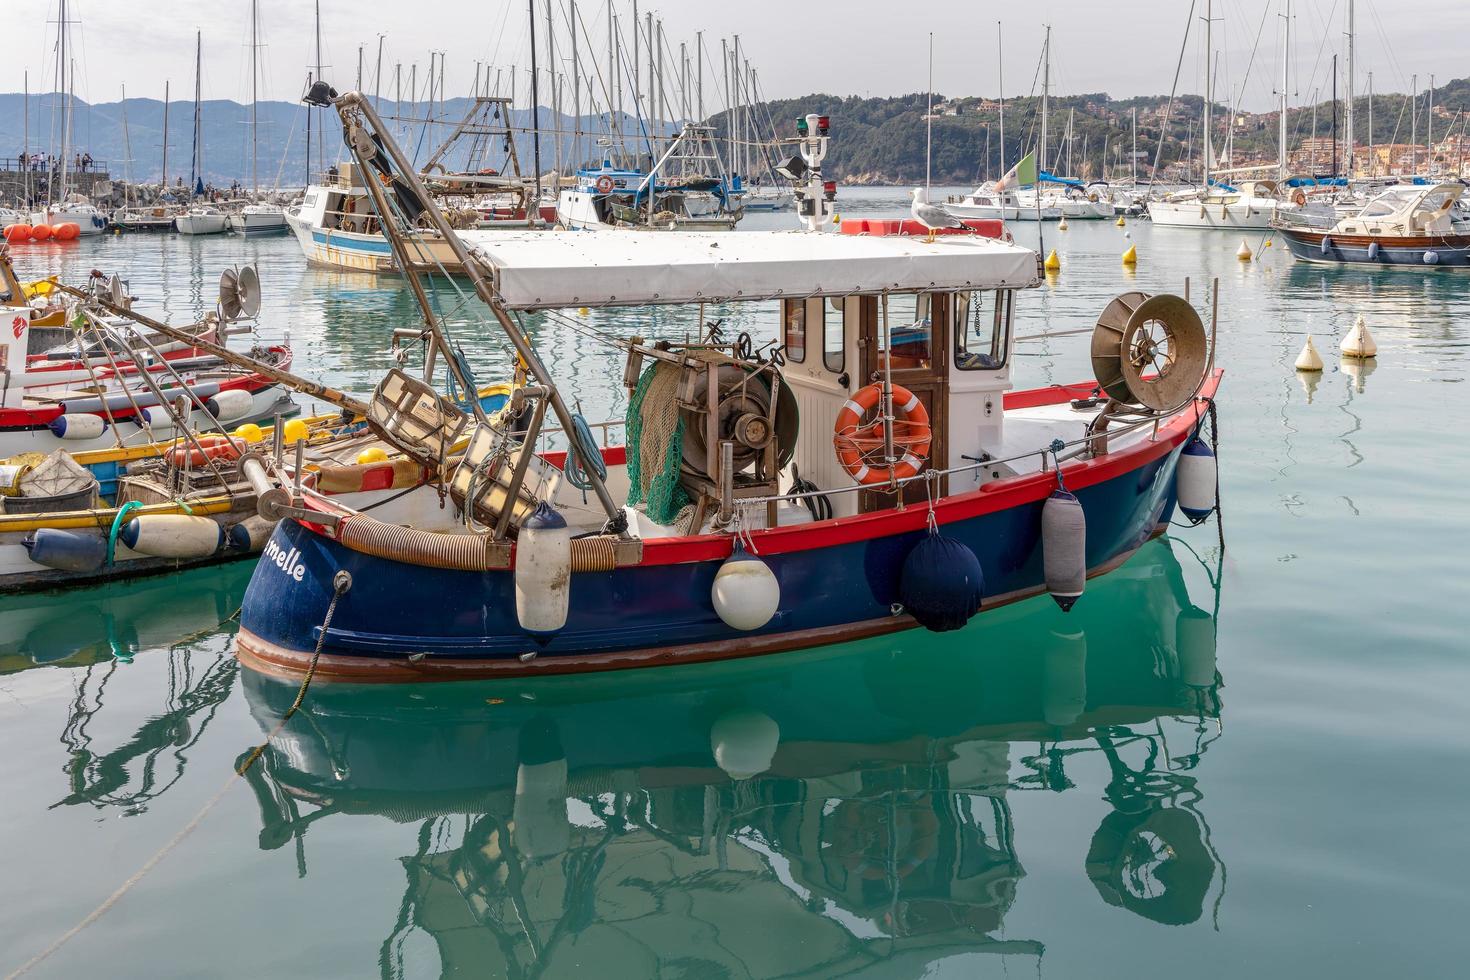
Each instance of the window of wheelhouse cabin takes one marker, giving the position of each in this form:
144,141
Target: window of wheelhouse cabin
910,327
982,329
793,330
834,349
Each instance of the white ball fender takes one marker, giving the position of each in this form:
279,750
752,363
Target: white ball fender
229,405
745,593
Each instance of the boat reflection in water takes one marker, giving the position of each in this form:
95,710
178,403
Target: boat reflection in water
806,816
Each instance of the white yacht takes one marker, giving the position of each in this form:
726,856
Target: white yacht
201,219
88,218
258,219
1254,205
1005,205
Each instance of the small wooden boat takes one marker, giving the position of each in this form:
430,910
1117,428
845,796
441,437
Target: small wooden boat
934,493
1403,226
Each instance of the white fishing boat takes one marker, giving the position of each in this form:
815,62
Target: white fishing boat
202,220
258,219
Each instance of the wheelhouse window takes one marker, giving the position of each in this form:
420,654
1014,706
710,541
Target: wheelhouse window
982,329
834,353
911,329
793,333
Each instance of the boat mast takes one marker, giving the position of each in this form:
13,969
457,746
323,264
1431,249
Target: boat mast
196,155
1209,92
1133,167
378,72
1347,123
929,123
26,144
535,108
576,86
1372,156
1413,123
699,74
321,162
163,183
551,80
1429,128
1045,96
1000,82
1281,148
254,96
66,107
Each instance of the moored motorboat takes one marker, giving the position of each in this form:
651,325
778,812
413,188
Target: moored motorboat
1412,225
202,219
254,220
939,492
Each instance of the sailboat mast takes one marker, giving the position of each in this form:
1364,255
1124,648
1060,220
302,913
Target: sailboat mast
1372,156
163,182
26,144
576,86
1133,166
321,163
254,96
1045,98
1209,89
699,74
1000,81
535,110
1281,138
66,107
196,155
1348,134
929,121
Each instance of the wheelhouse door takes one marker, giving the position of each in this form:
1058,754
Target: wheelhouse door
918,324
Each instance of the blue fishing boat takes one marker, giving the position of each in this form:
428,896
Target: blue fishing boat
816,489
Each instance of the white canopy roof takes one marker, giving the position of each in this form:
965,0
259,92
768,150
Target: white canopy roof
551,269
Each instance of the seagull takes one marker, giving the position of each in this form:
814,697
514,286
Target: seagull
929,216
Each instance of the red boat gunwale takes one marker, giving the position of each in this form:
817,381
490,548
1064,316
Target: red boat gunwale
998,495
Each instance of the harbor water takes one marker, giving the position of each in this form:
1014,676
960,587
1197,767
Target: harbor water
1219,764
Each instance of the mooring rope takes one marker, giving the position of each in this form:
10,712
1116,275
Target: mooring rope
341,582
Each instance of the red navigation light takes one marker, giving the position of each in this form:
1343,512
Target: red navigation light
823,123
829,190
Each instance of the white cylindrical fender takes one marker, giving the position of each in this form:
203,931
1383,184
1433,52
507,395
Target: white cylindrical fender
172,536
250,535
229,405
1064,678
1064,547
744,743
540,809
1195,481
543,571
76,426
745,592
160,423
1194,638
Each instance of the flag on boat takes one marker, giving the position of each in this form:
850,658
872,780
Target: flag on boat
1024,172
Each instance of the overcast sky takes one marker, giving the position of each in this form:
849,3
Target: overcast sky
1123,47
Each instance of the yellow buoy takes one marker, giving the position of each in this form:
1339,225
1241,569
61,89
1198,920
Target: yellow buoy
1266,244
1052,263
1359,342
1120,222
250,432
296,431
583,311
1130,257
1309,359
373,454
1244,253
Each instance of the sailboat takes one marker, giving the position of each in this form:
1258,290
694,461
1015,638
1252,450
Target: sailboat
61,205
134,216
199,219
257,218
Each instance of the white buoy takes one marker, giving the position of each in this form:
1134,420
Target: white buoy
1195,481
1358,368
1064,547
1062,225
229,405
745,591
543,571
744,743
1064,678
76,426
1309,359
1310,380
1244,253
172,536
1359,342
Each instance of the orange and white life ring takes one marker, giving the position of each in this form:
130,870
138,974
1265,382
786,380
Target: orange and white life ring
857,444
604,184
1299,198
209,447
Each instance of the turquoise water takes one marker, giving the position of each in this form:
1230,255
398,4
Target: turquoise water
1215,765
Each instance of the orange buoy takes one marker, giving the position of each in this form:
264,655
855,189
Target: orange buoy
17,233
66,231
206,448
40,232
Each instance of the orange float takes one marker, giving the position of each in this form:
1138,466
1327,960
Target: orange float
66,231
17,233
856,443
208,448
40,232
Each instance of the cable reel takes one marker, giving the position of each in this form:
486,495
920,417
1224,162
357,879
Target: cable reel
1150,352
